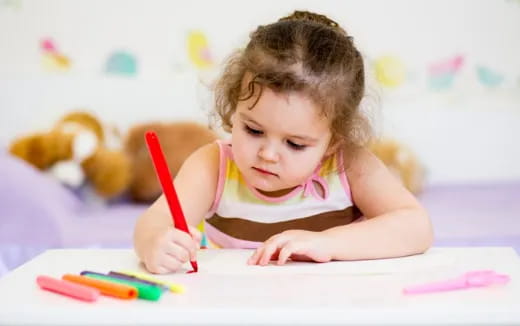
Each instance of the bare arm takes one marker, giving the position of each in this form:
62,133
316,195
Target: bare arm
196,184
396,225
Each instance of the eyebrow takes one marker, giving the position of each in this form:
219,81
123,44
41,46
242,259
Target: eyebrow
303,138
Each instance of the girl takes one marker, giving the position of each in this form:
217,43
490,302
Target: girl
296,180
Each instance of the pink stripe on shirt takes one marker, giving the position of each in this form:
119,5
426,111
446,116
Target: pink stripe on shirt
225,241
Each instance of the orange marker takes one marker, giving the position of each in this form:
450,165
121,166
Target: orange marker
107,288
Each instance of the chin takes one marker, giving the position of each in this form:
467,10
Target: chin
270,187
262,186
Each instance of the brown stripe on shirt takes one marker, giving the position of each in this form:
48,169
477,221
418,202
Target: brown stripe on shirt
256,231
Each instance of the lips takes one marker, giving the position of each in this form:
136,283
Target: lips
266,172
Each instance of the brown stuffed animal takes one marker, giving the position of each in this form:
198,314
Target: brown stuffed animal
402,162
74,151
178,141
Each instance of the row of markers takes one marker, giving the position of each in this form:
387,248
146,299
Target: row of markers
88,286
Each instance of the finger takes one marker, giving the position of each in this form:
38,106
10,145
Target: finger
272,248
174,249
153,268
253,260
170,263
160,264
161,270
195,233
285,252
185,240
269,250
151,262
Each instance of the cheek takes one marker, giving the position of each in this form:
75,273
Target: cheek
305,165
241,146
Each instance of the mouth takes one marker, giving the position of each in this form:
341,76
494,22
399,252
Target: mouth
264,172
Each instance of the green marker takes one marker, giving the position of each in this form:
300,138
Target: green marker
147,292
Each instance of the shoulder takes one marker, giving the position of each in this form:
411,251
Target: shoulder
196,181
375,190
204,161
201,168
361,162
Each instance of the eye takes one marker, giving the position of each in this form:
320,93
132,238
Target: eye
295,146
254,132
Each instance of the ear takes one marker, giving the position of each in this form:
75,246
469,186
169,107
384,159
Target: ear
233,118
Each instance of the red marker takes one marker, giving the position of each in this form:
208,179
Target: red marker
163,173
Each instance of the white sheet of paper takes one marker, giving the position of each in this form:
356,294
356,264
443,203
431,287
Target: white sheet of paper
235,262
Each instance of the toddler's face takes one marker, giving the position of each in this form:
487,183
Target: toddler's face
280,141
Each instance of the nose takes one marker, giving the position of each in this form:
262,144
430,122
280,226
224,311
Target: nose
268,152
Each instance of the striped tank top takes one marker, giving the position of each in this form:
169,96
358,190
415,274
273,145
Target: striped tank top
243,217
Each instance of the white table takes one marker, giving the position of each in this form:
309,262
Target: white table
227,291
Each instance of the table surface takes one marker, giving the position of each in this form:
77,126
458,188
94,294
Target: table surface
228,291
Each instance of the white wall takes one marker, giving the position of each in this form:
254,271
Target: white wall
466,133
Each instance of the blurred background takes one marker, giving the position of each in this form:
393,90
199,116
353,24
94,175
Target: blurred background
443,85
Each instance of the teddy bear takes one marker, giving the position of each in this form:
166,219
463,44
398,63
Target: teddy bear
78,150
401,161
178,141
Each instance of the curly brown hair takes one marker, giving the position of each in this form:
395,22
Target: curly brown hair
303,52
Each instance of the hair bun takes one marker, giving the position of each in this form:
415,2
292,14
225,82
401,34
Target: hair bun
313,17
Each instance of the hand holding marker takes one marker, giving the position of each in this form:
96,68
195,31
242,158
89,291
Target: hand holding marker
164,176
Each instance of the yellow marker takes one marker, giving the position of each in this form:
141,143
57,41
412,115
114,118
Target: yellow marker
174,287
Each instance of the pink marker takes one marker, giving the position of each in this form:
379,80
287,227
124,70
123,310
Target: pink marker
82,292
468,280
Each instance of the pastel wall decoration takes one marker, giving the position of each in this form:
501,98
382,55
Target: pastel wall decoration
489,77
11,4
390,71
443,72
198,50
121,63
52,59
